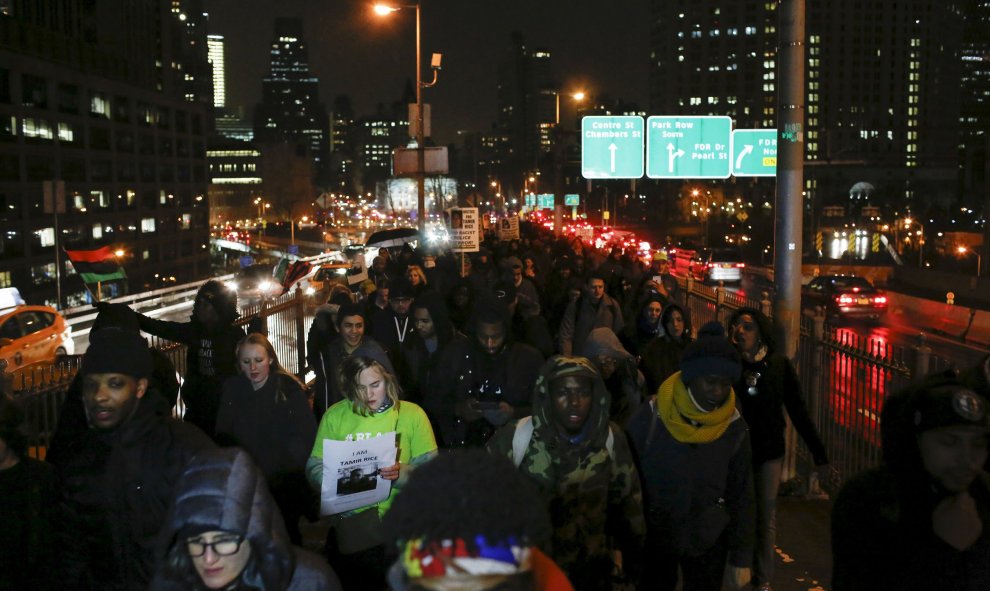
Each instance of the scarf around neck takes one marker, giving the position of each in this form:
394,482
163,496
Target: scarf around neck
686,422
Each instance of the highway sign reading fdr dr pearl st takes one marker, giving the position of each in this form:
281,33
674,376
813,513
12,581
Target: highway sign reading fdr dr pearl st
612,147
688,147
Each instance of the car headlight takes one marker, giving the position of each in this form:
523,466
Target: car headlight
310,290
231,285
265,286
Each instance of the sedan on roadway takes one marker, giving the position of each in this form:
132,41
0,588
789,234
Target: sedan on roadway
845,296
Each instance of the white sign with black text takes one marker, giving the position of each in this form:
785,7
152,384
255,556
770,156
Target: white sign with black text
350,473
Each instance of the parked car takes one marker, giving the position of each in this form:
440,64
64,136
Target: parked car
717,264
30,334
845,296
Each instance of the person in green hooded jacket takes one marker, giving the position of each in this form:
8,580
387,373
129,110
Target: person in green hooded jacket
583,468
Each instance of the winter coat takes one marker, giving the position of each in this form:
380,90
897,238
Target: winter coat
210,360
28,493
115,488
626,385
224,490
696,492
588,489
467,367
581,317
882,537
273,424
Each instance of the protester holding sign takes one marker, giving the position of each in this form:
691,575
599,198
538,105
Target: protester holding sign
370,410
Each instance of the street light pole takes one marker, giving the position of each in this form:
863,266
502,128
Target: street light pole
420,133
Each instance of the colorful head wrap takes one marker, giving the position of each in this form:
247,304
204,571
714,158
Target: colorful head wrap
457,558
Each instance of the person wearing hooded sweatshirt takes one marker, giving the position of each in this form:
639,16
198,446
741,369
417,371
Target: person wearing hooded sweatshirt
224,531
648,325
622,378
694,456
768,385
116,479
211,341
583,468
661,357
920,520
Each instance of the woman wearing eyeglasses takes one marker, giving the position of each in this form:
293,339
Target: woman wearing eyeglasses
224,531
768,385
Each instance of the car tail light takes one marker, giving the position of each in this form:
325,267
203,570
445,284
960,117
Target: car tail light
880,300
844,300
741,265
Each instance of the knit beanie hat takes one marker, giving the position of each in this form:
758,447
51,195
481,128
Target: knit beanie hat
113,350
223,300
710,355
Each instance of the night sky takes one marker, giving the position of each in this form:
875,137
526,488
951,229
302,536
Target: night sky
597,45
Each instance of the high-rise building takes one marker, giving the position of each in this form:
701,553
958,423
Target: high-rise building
377,136
216,54
89,97
876,108
290,108
526,95
342,155
192,49
974,121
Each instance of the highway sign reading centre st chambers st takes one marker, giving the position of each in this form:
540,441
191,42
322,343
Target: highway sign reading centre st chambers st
612,147
688,147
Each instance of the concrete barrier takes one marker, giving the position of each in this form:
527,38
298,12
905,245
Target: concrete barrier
942,318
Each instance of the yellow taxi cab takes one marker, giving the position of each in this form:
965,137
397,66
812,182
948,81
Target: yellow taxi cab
30,334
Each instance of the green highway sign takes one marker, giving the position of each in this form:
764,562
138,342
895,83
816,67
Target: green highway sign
612,147
572,199
754,152
688,147
544,201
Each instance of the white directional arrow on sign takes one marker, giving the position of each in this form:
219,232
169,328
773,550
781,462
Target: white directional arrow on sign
748,149
672,156
612,148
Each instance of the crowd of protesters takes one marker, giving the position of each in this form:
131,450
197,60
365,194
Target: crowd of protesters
559,423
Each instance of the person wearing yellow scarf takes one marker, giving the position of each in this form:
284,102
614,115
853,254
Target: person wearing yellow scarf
694,456
684,416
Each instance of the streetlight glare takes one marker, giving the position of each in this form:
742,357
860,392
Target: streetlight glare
578,96
961,250
384,9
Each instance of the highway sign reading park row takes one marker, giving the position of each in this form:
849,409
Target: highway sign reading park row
754,152
612,147
688,147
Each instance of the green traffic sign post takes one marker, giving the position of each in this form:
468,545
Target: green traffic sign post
688,147
612,147
754,152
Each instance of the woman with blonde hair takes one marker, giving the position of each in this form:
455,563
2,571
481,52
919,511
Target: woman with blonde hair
371,407
417,278
265,410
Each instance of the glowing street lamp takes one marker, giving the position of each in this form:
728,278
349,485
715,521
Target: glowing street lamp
384,10
964,250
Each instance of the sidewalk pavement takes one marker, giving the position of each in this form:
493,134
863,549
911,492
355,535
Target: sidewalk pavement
804,553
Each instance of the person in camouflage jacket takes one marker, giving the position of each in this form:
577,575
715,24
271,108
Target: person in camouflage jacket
584,471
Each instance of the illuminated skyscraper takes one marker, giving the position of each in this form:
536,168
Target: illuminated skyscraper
216,54
290,108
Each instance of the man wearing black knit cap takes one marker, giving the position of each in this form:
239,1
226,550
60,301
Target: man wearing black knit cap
116,479
694,456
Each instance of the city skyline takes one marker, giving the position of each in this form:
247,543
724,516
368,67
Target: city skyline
589,53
